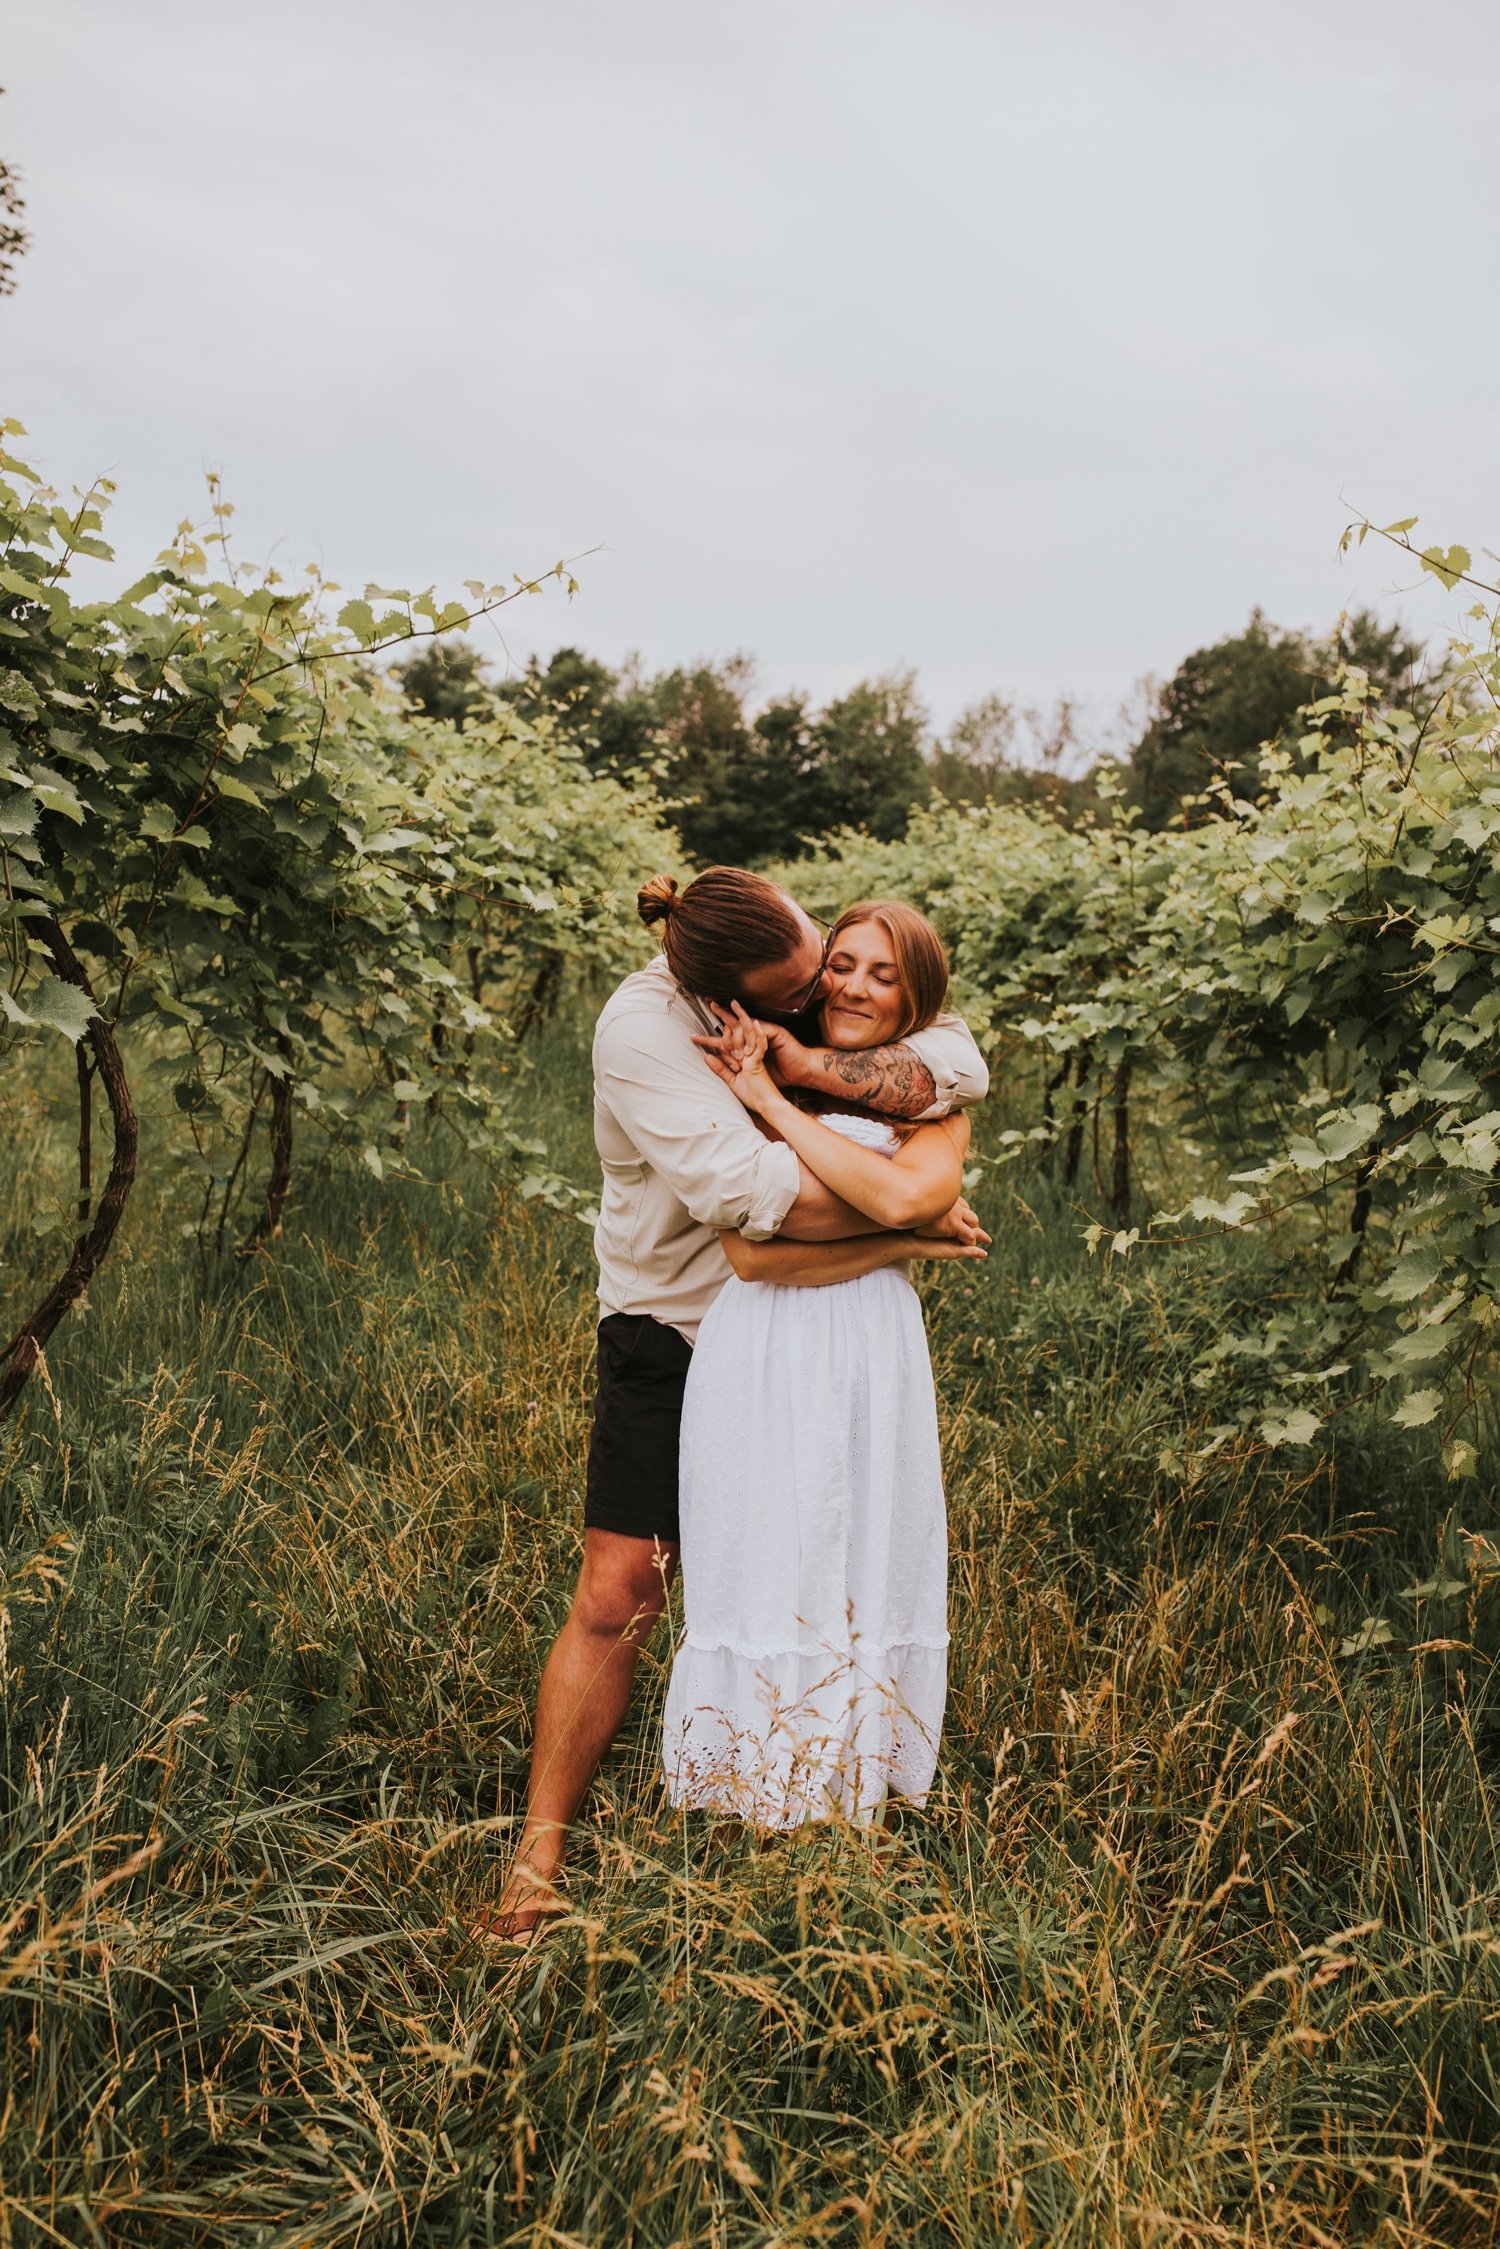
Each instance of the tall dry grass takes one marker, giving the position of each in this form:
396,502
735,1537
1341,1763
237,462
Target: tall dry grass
1196,1942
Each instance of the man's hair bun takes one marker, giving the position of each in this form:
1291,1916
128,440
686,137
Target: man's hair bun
655,899
724,926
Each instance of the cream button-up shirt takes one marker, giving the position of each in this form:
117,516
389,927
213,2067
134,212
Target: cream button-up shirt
683,1161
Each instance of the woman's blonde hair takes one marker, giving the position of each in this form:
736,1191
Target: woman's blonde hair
917,949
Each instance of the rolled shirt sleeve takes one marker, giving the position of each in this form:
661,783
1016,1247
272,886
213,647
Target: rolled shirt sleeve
959,1071
687,1125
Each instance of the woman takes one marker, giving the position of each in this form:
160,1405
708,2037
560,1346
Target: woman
812,1671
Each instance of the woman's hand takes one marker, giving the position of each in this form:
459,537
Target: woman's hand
960,1224
941,1248
784,1053
740,1060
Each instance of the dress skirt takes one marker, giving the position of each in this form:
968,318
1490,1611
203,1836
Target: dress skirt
811,1675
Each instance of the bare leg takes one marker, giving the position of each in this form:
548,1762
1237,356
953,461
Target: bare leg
725,1834
884,1829
581,1704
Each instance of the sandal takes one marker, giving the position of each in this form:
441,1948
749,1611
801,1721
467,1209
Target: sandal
500,1929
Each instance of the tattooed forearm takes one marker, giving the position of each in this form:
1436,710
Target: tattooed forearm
889,1078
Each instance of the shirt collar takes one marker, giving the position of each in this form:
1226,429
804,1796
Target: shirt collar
706,1022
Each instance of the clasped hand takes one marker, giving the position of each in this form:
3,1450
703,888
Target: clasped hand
742,1056
739,1057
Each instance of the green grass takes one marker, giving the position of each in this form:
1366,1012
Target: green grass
1197,1940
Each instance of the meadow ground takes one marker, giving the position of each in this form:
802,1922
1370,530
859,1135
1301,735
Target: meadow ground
1197,1941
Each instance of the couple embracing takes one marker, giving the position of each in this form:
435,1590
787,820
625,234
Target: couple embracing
780,1119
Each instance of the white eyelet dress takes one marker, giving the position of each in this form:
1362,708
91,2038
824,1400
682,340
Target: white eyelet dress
812,1671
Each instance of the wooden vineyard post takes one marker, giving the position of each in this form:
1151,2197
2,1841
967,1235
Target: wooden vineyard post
268,1224
1120,1180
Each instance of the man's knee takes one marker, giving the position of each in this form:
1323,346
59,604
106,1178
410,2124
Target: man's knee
622,1589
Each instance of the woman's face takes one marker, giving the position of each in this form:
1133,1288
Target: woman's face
865,1002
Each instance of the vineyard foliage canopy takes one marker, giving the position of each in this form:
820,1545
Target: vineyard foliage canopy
239,867
236,866
1299,981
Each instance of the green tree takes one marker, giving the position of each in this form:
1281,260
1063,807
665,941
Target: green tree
1000,752
446,680
1225,703
783,778
1214,713
746,790
868,752
700,716
750,790
610,715
761,798
979,752
1394,664
742,789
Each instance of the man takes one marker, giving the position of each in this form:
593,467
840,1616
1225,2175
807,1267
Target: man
683,1161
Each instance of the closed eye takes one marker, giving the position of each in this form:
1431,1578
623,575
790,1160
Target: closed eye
840,965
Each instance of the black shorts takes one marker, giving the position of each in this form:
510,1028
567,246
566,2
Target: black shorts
632,1477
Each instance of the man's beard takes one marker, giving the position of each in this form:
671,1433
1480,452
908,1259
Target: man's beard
805,1028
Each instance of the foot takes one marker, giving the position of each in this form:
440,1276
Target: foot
526,1905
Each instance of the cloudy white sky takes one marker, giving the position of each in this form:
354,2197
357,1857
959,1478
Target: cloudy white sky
1026,346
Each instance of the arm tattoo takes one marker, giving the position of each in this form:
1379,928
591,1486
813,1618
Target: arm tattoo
889,1078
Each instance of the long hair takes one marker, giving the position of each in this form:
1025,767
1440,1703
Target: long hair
724,926
917,949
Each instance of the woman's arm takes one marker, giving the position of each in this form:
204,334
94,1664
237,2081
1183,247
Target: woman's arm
909,1189
819,1264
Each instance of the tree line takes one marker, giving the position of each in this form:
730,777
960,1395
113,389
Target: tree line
747,784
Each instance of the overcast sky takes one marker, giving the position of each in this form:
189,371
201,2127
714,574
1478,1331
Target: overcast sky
1027,346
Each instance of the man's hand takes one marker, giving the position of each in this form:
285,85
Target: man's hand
960,1224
